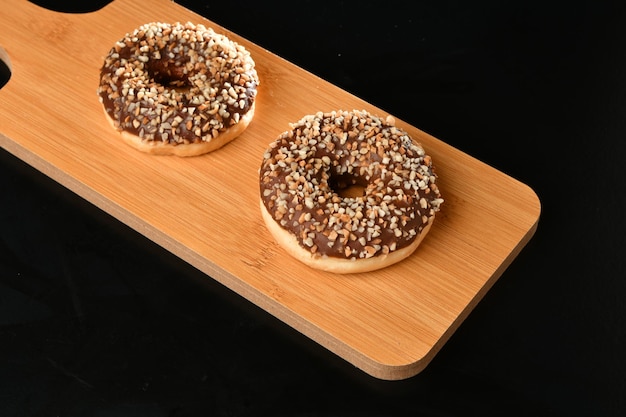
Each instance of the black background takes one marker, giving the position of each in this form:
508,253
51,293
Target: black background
95,320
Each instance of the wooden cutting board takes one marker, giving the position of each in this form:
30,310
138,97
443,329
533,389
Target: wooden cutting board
389,323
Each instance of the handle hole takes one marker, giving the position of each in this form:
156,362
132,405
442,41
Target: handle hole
71,6
5,68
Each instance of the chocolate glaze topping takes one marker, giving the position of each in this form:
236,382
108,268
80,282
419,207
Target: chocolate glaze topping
304,170
177,83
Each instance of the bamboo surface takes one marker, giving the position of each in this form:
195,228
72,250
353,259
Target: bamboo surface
389,323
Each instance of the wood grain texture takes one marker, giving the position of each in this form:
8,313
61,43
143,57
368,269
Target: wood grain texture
389,323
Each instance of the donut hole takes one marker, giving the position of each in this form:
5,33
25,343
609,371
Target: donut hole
347,186
169,75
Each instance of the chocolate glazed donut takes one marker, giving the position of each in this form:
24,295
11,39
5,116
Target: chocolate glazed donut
304,178
178,89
